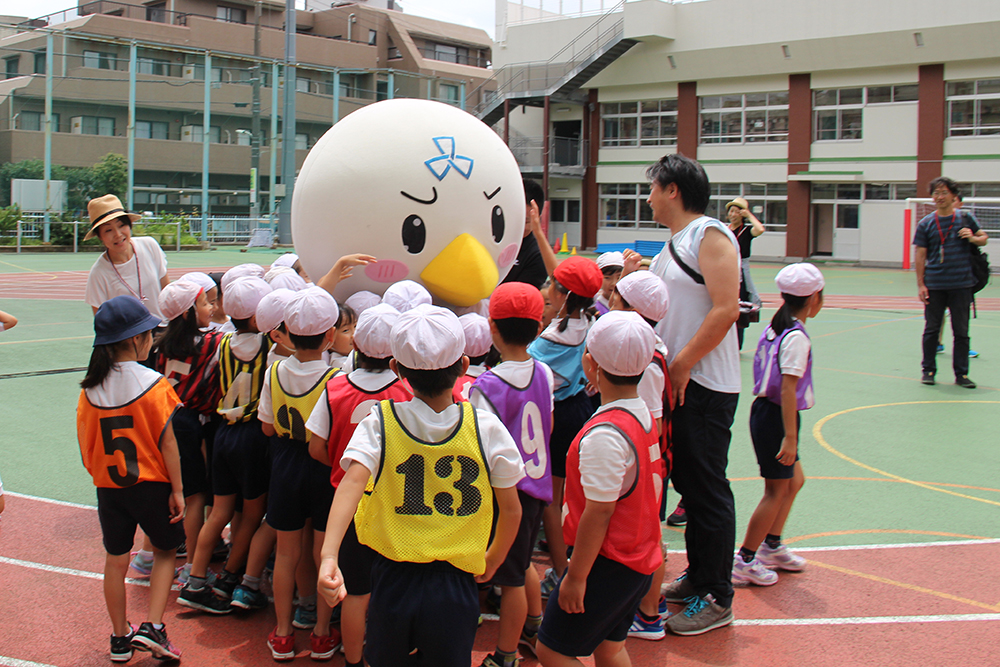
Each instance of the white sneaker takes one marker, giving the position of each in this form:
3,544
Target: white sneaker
753,572
781,558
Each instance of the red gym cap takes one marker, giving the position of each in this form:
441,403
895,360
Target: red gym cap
516,300
580,276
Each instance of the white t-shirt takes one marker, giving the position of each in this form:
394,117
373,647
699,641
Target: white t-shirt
126,381
517,374
502,456
295,376
652,383
103,283
607,462
222,327
719,370
369,380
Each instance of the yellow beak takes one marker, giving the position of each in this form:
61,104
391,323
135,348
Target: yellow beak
463,273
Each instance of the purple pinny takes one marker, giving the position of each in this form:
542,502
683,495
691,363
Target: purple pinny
527,415
767,370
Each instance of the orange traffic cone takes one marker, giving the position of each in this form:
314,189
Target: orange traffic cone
555,248
573,251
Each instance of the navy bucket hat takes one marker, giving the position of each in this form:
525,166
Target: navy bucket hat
120,318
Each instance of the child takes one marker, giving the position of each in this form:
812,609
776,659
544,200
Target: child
574,283
185,355
300,493
519,391
361,301
343,342
478,341
782,382
644,293
240,463
405,295
432,549
123,422
271,322
611,265
346,400
610,511
220,321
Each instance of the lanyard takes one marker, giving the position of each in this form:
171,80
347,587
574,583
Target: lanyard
138,274
941,232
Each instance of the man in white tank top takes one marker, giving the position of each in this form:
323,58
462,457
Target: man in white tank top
703,359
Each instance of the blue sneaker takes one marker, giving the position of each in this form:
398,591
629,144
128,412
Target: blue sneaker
641,629
940,348
141,564
247,598
662,608
549,582
305,618
973,354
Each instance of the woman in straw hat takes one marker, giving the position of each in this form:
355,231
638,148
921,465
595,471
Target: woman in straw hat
133,266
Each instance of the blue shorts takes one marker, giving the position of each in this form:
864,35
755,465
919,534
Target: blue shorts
767,430
300,487
613,594
241,464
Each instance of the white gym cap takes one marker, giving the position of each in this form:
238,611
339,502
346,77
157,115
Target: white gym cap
176,298
203,280
361,301
621,343
405,295
478,339
373,331
646,292
286,278
800,279
288,259
613,258
310,312
242,295
240,271
271,309
427,338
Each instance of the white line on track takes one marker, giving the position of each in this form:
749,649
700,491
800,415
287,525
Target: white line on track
65,570
50,501
865,547
868,620
14,662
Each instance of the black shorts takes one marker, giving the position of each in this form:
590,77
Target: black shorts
568,417
241,464
611,600
300,487
433,607
511,572
147,505
767,430
190,433
355,562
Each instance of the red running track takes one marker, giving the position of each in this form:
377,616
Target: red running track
854,606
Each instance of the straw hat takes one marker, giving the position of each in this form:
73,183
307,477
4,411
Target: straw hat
105,209
739,202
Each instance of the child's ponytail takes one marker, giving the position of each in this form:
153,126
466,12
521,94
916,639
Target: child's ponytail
102,360
783,319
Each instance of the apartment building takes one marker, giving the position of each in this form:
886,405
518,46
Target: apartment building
347,56
826,116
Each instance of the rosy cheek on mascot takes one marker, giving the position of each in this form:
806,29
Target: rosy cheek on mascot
427,188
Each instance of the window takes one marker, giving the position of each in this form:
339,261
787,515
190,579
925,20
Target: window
231,14
301,141
768,201
39,62
646,123
156,66
35,120
845,197
97,125
157,13
372,37
564,210
199,72
448,93
749,118
623,205
973,107
11,66
351,85
99,60
144,197
838,114
151,129
889,191
302,84
449,54
381,90
887,94
214,134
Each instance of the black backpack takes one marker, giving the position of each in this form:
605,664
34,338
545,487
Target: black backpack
980,262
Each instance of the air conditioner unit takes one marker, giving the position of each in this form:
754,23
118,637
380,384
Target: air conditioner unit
190,133
189,71
76,124
185,200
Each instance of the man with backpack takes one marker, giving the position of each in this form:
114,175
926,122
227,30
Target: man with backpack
947,243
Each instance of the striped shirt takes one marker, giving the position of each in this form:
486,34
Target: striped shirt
955,272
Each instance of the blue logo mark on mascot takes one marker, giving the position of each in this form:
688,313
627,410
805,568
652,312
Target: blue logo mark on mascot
442,164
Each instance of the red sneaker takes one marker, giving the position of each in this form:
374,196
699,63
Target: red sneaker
323,648
282,648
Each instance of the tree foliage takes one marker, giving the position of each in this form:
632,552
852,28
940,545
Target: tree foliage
109,176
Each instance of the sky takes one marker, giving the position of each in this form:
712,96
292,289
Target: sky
475,13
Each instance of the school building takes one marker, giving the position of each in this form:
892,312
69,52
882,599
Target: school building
347,56
827,116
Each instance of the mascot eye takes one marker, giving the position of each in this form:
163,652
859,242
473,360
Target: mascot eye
415,234
498,225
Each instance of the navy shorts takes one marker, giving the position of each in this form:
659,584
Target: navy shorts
433,607
355,562
190,434
568,417
147,505
300,487
241,464
767,430
611,600
511,571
